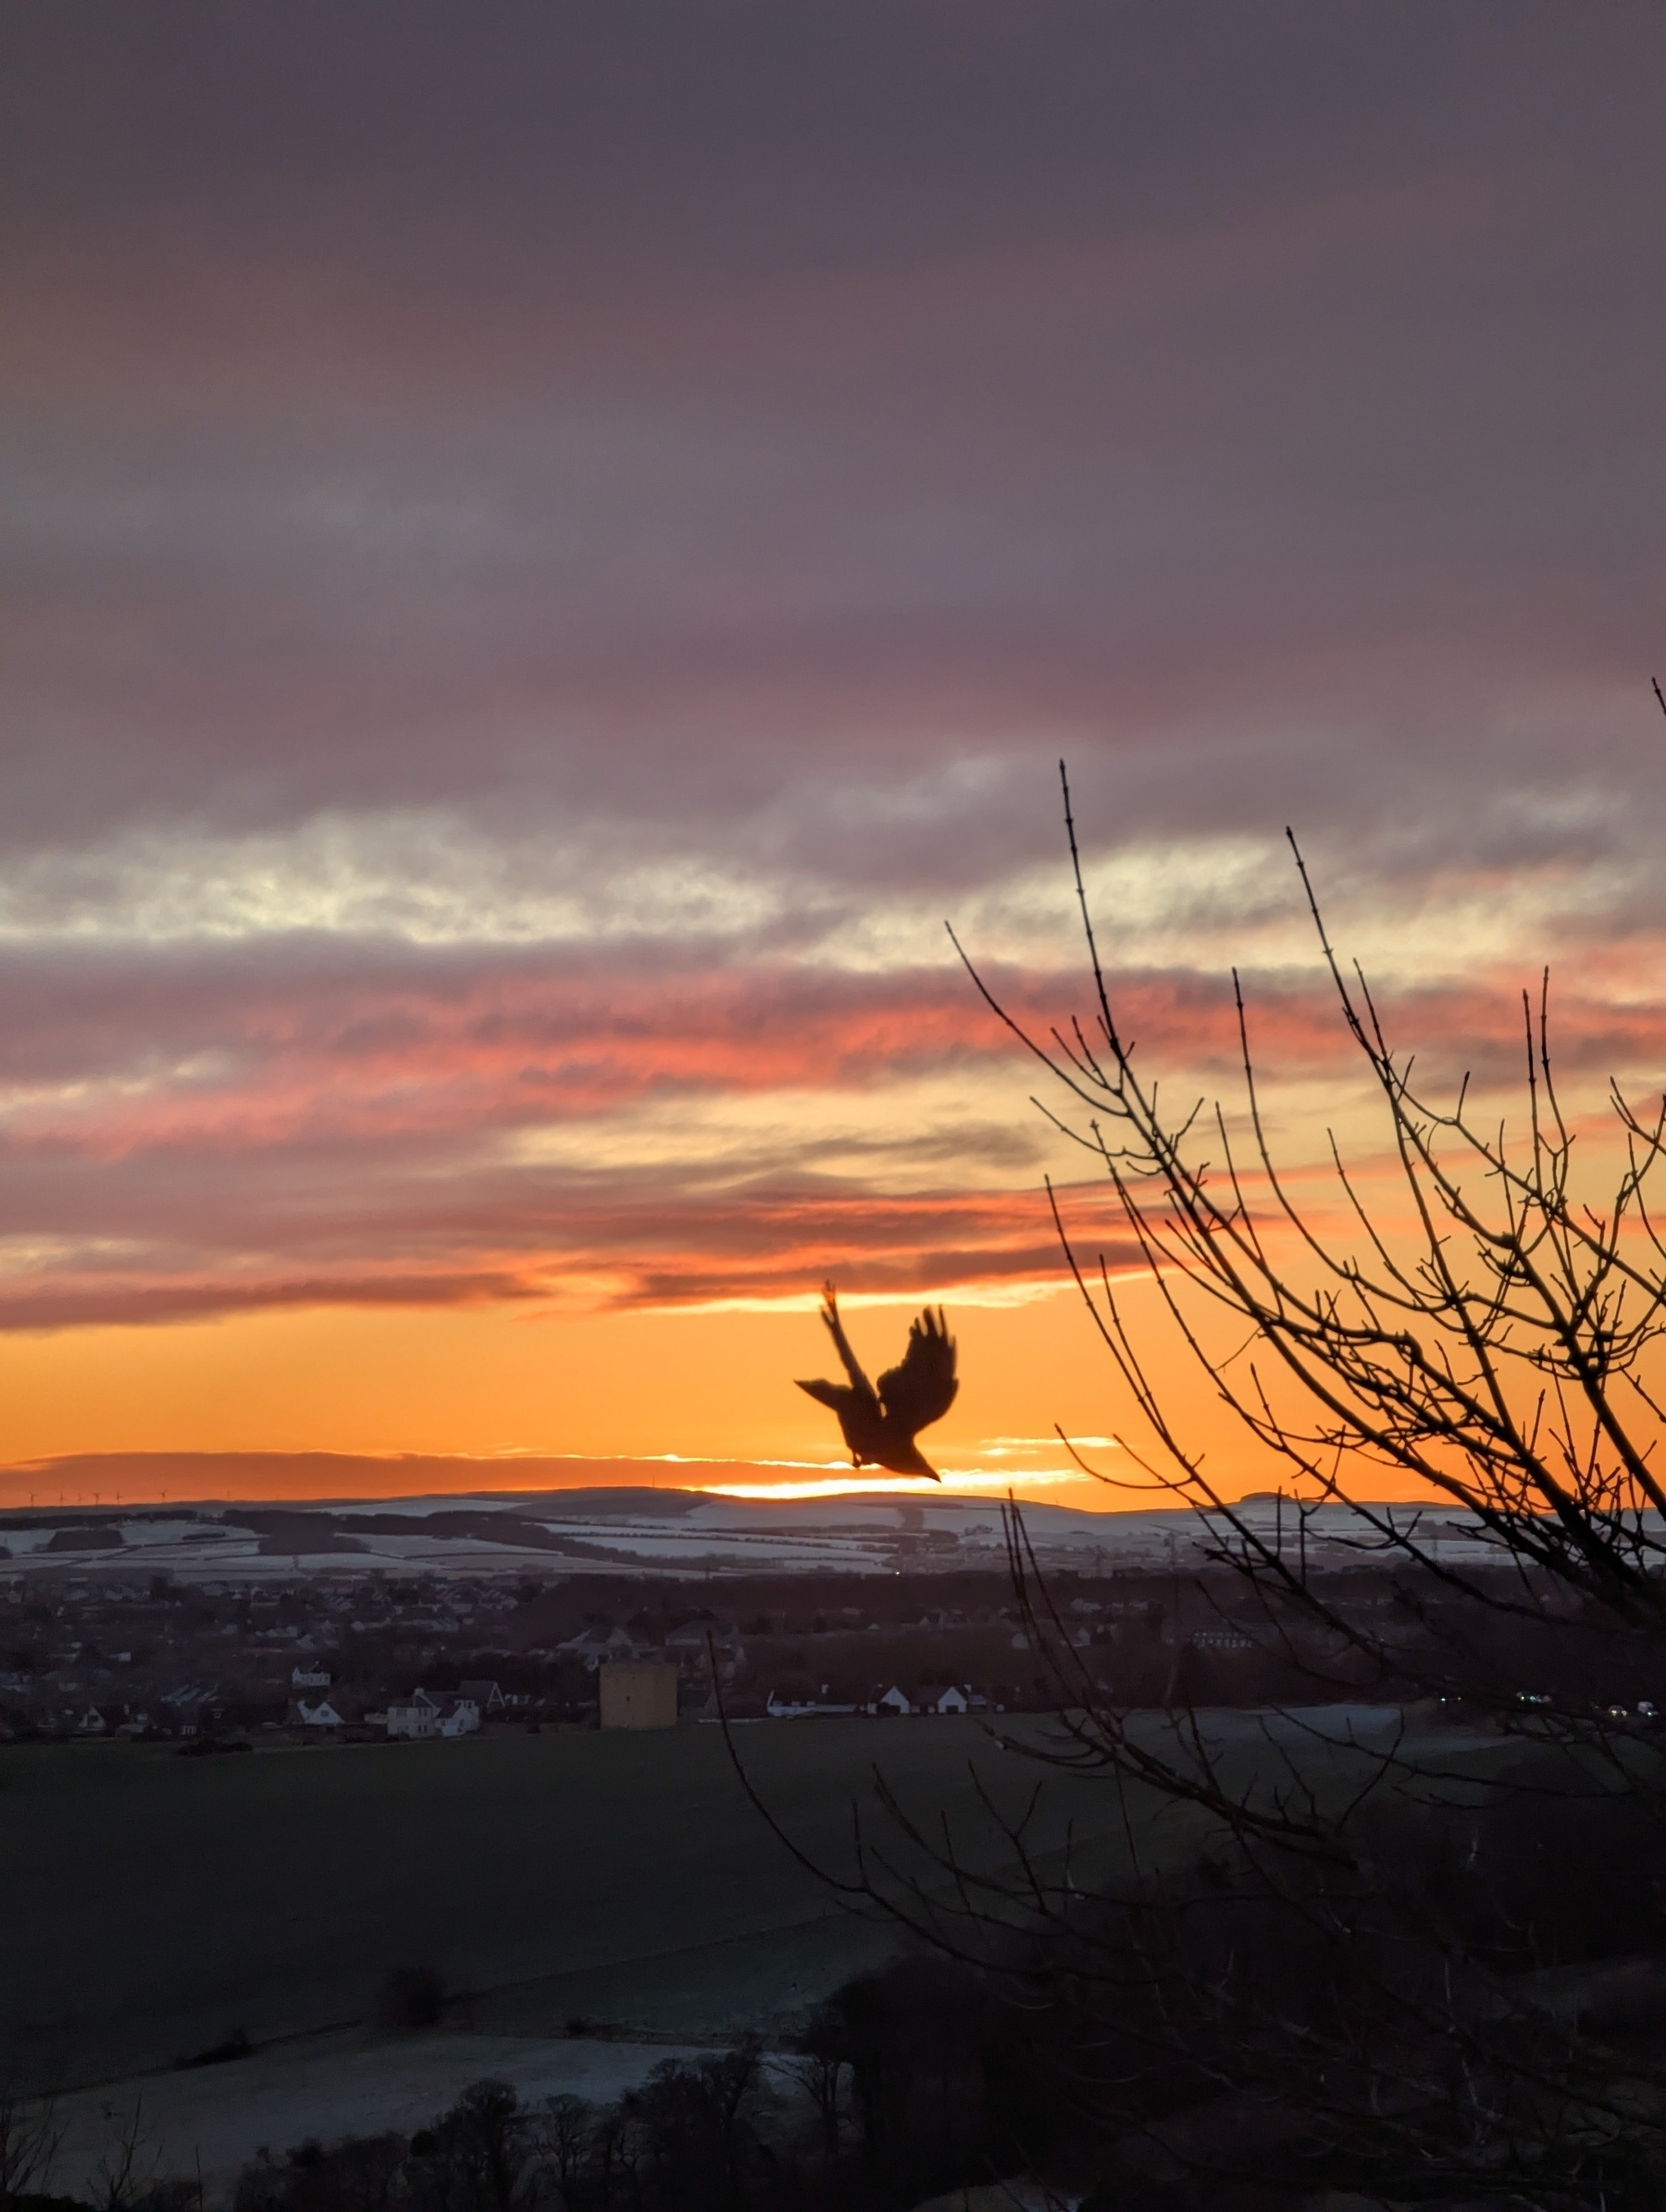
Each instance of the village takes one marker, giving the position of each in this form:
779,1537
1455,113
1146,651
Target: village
87,1656
430,1621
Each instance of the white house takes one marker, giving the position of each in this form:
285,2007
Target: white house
952,1700
424,1716
592,1646
322,1715
309,1678
419,1717
894,1701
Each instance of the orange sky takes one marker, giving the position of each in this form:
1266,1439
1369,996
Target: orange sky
680,1398
488,1381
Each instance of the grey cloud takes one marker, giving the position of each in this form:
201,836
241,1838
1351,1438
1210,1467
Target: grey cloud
766,438
1259,410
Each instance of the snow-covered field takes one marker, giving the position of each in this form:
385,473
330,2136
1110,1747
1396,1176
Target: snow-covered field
650,1532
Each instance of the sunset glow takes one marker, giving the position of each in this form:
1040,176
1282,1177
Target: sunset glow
954,1480
531,631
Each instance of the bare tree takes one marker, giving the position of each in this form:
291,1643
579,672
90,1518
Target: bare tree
127,2169
31,2132
1487,1339
562,2134
1493,1344
1375,1960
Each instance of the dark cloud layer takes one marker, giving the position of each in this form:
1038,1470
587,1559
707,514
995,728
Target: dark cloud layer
729,452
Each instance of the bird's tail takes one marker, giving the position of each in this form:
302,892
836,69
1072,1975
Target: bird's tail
829,1394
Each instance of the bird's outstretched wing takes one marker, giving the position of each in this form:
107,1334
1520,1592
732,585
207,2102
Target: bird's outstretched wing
851,1400
835,1327
921,1389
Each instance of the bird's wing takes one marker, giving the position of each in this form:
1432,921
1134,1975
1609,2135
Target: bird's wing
835,1328
921,1389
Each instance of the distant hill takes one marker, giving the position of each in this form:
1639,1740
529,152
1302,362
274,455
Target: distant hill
152,1477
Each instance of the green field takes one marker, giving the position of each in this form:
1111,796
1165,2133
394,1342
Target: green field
152,1903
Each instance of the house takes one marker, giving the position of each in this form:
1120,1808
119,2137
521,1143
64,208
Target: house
950,1700
322,1715
423,1717
190,1696
1222,1639
309,1677
692,1644
416,1718
486,1695
595,1646
893,1701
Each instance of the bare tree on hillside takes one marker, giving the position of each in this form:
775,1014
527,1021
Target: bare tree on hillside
1495,1343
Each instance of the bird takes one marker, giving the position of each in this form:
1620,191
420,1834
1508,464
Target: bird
880,1425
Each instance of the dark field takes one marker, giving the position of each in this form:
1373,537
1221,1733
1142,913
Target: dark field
153,1903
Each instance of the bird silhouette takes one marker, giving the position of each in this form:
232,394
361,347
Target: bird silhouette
880,1425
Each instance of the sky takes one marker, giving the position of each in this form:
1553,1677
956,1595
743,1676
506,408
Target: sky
548,549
